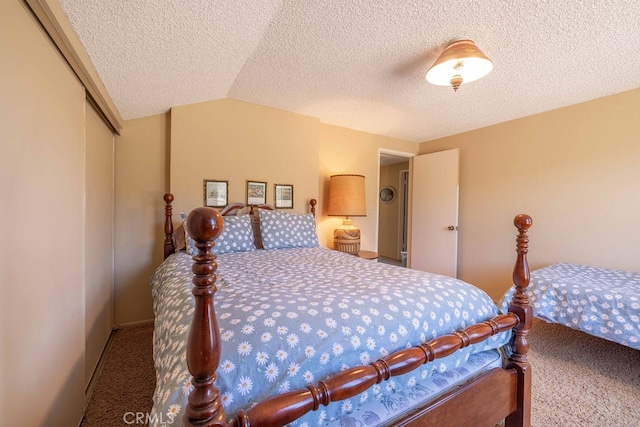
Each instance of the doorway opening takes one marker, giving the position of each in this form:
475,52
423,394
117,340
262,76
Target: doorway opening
393,212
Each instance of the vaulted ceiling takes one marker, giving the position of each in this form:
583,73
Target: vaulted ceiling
360,64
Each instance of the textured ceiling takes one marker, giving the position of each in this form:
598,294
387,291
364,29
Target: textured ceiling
360,63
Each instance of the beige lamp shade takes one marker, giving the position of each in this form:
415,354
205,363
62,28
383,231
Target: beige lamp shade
461,62
346,198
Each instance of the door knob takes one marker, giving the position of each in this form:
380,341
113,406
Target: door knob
452,228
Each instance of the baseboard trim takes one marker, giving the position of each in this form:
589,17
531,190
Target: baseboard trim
138,323
96,372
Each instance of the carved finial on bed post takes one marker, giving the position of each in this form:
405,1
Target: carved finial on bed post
169,247
313,203
203,348
520,307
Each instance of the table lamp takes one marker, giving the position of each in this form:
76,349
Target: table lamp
346,198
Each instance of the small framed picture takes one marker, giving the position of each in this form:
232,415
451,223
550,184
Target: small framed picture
256,192
283,196
216,193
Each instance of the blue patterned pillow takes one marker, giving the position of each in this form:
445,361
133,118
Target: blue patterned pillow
237,236
191,244
282,230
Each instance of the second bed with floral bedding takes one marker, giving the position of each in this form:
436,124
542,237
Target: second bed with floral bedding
602,302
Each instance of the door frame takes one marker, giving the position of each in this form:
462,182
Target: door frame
403,205
408,156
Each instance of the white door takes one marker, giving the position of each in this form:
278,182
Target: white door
434,212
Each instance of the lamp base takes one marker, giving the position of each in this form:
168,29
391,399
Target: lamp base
347,239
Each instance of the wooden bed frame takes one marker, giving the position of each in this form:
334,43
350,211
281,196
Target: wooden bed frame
483,401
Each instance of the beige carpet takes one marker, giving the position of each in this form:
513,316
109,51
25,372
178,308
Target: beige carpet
123,392
578,380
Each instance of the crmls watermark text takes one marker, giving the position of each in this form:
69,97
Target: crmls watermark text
147,418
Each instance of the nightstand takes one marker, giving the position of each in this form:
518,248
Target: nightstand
368,254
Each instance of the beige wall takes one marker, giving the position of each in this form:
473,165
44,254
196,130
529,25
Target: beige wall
349,151
141,180
389,213
42,183
236,141
233,141
574,170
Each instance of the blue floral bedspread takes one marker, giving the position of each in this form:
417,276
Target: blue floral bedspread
599,301
385,410
291,317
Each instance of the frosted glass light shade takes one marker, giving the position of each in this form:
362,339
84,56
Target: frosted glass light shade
461,62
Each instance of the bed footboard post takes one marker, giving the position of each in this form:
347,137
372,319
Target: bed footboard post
203,348
169,247
520,346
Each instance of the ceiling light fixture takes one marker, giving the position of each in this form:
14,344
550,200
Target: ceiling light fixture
461,62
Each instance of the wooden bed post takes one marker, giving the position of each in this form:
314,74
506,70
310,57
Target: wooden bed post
313,203
169,247
204,225
520,306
